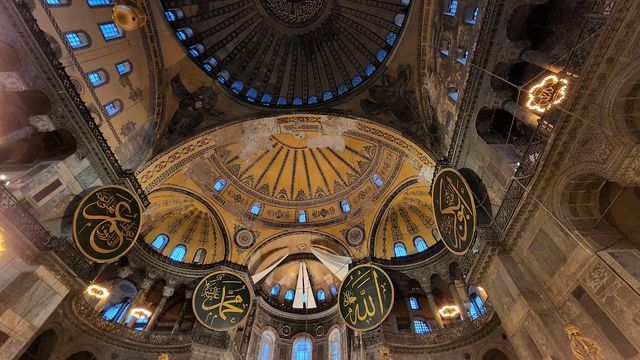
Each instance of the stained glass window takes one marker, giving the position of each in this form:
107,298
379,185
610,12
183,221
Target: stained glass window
289,295
321,296
302,349
110,31
178,253
111,312
297,101
381,54
413,302
391,38
124,67
160,242
252,94
370,69
219,185
281,100
266,99
342,89
312,100
345,206
77,40
328,95
399,249
420,244
113,107
98,77
237,86
256,208
275,290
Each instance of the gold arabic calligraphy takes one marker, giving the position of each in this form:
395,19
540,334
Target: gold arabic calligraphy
366,298
455,205
223,300
115,222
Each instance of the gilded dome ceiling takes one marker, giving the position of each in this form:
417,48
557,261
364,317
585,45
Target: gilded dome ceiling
288,52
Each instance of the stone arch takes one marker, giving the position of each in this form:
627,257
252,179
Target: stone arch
17,106
83,355
480,194
621,104
9,58
40,146
495,354
42,347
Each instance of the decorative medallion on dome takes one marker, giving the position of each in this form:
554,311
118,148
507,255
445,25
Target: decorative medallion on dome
294,11
355,235
244,238
288,53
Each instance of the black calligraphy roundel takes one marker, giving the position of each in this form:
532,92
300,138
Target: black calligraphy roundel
106,223
454,211
365,298
221,301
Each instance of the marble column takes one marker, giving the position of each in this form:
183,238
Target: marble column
434,310
458,300
139,299
540,59
166,294
183,310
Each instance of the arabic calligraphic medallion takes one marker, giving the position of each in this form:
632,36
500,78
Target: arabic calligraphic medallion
365,298
106,223
454,210
221,301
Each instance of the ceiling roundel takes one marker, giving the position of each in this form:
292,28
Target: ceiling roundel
288,53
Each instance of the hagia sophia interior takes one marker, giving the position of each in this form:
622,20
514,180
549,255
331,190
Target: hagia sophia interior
274,179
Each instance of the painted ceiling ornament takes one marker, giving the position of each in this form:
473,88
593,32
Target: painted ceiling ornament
294,11
398,106
582,347
551,90
222,300
128,15
106,223
365,297
454,211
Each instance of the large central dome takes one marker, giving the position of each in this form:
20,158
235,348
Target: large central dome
288,52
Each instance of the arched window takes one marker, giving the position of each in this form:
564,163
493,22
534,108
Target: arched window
237,86
98,77
160,242
399,19
252,94
111,312
281,100
399,249
328,95
178,253
111,31
198,258
174,14
345,206
421,327
219,185
302,216
275,290
297,101
141,323
223,76
377,180
266,99
476,309
312,100
334,345
413,303
289,295
113,108
124,67
333,290
58,2
96,3
77,39
302,349
196,50
451,7
342,89
256,208
381,54
357,80
321,296
391,38
267,346
184,33
420,244
210,63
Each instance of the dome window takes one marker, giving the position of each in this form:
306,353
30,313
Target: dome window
198,258
256,208
377,180
275,290
174,14
342,89
413,303
111,31
281,100
370,69
391,38
160,242
77,39
237,86
297,101
451,8
196,50
312,100
420,244
252,94
124,67
58,2
288,295
454,94
345,206
357,80
178,253
220,185
399,19
302,216
184,33
333,290
266,99
421,327
328,95
399,250
223,76
98,77
113,108
381,54
321,296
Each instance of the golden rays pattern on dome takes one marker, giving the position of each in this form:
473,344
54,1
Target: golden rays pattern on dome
183,221
408,217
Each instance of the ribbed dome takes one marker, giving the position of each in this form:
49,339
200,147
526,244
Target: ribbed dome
288,52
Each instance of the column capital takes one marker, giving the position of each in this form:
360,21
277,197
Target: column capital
167,291
123,272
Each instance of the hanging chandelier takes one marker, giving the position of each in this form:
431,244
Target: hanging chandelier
97,291
449,311
140,313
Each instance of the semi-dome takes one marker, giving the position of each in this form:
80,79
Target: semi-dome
288,52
